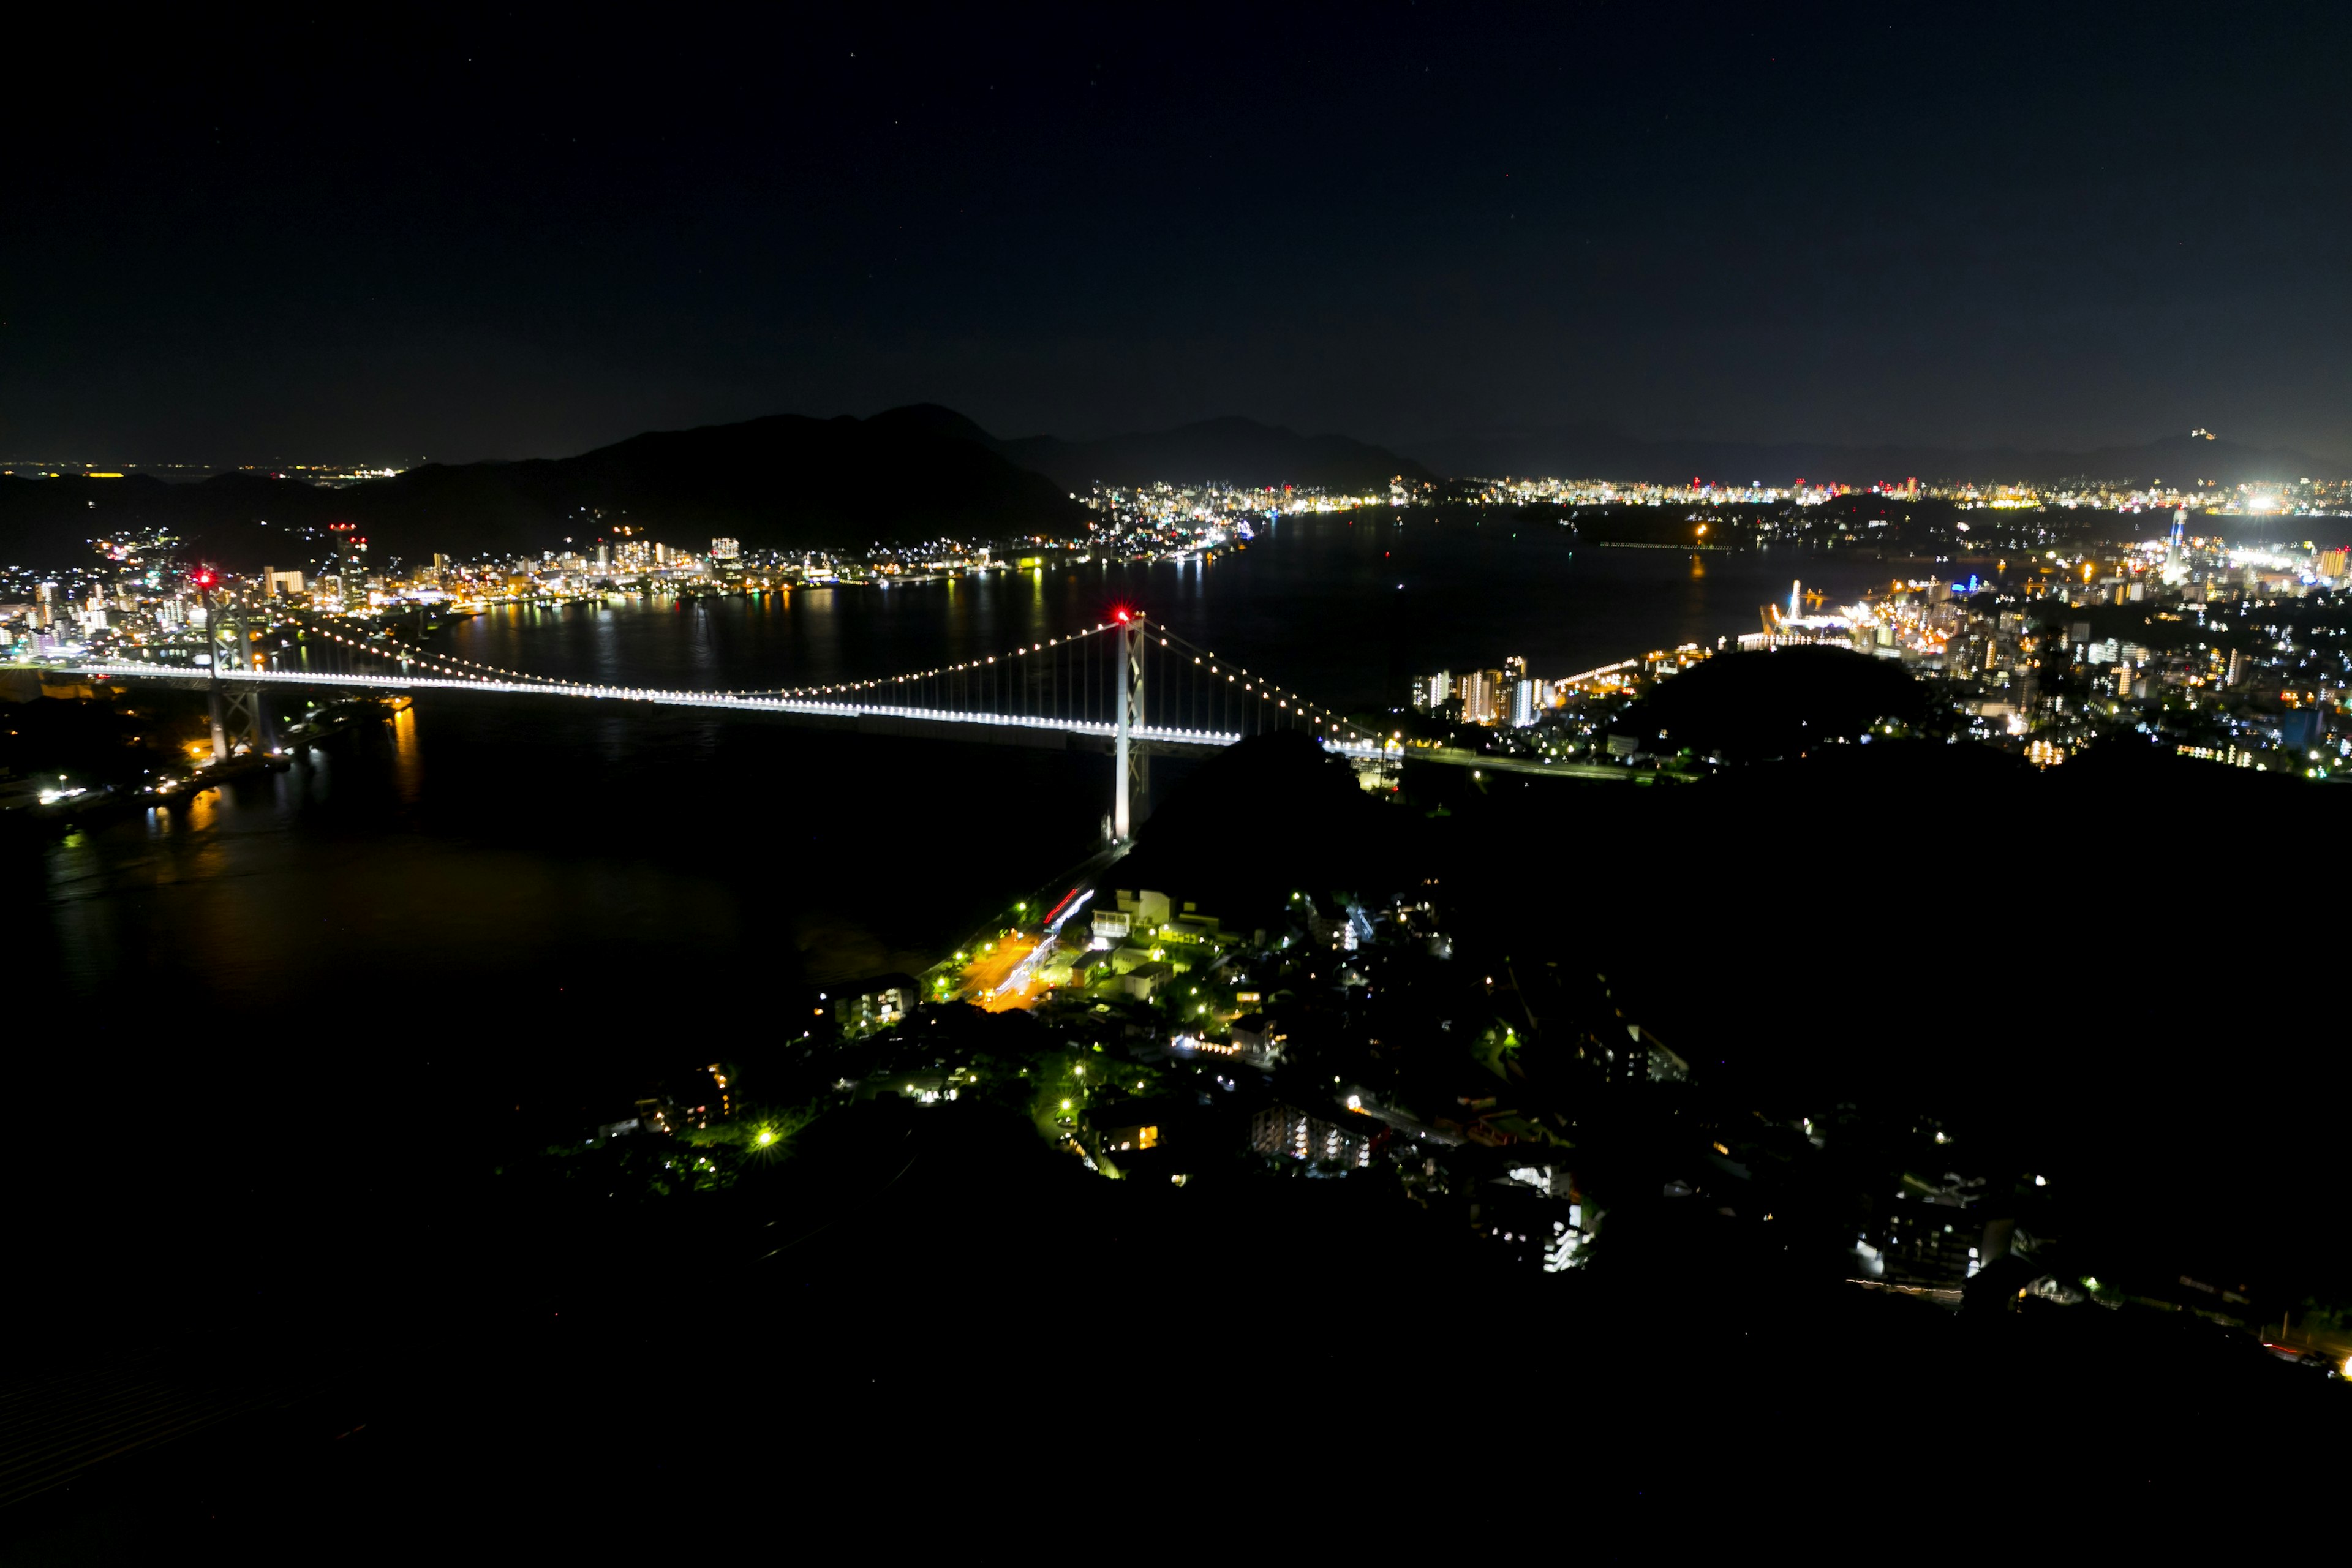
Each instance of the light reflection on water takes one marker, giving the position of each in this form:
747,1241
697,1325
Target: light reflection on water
1320,603
498,855
407,758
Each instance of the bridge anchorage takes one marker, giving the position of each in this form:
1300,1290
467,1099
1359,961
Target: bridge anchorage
1127,686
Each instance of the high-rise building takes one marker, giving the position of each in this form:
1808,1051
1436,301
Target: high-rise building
1430,691
726,549
1523,704
1482,695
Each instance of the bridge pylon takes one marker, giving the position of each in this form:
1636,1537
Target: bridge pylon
239,711
1131,766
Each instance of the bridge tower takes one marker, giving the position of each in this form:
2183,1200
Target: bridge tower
1130,768
239,711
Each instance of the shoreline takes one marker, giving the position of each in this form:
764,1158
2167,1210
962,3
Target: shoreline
56,819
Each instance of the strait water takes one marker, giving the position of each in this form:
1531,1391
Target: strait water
500,858
252,1030
269,1044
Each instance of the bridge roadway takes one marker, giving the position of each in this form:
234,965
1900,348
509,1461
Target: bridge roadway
1001,729
868,719
1598,772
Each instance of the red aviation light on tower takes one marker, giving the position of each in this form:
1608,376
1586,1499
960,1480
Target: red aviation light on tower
202,578
1121,616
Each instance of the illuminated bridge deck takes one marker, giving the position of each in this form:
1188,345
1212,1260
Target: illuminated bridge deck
1003,728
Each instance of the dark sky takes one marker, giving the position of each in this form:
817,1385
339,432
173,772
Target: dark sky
456,236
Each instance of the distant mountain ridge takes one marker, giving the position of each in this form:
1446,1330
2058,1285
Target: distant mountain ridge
785,482
1231,450
921,472
1589,451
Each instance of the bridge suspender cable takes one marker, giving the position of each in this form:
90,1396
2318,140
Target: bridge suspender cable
1169,678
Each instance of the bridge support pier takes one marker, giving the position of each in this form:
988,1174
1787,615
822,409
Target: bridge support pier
247,714
239,713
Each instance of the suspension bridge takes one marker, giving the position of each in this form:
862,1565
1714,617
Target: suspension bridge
1126,686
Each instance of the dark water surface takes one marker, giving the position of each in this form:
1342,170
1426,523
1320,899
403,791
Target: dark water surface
487,856
260,1026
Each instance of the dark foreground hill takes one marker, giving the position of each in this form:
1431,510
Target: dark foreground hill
1749,707
1259,821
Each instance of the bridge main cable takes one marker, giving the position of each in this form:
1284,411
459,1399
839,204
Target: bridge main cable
1222,701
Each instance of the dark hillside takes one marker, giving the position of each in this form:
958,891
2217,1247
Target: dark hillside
784,482
1928,926
1753,706
1269,817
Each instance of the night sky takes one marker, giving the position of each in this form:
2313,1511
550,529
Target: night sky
406,237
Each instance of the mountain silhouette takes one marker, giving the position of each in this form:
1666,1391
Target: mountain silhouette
1590,451
1233,451
784,482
